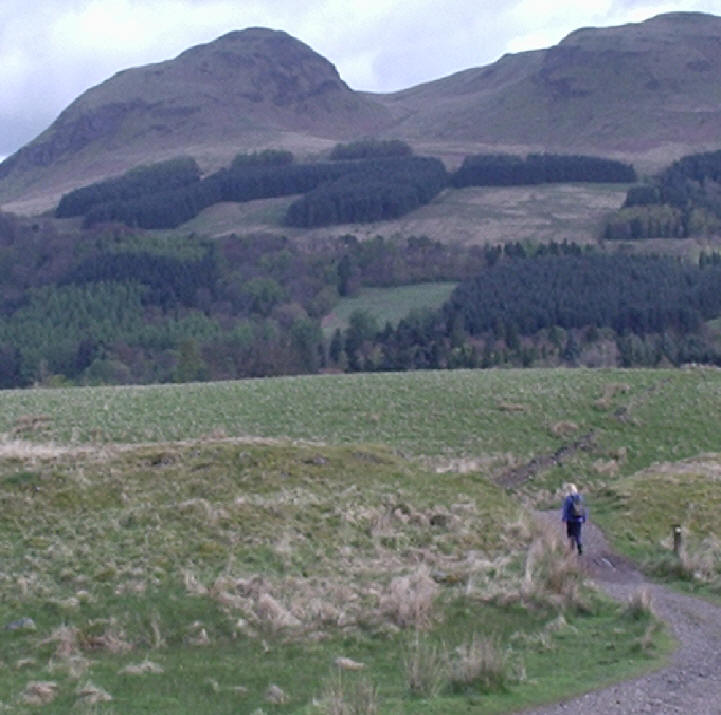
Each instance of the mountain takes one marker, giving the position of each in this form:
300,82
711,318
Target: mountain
646,92
244,90
629,89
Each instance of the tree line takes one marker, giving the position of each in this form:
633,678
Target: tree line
364,181
160,178
548,308
507,170
371,185
123,307
375,190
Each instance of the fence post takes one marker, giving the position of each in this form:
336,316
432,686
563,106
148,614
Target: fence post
677,539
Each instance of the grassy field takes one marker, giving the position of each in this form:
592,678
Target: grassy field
492,417
314,544
388,304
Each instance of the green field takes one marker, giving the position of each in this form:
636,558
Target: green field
308,544
388,304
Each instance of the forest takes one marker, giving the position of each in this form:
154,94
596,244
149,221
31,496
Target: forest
112,305
361,182
114,302
123,306
550,306
508,170
683,200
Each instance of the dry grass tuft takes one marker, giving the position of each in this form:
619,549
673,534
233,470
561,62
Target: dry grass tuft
341,696
640,604
511,407
480,662
111,640
426,667
39,692
605,402
609,467
90,694
348,663
143,668
646,642
74,666
553,574
25,663
31,424
409,599
564,428
193,585
275,695
272,613
199,635
67,639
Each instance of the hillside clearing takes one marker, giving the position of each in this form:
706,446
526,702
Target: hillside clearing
474,215
388,304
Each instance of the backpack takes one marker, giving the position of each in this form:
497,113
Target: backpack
577,508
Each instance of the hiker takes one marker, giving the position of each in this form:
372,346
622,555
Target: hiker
574,514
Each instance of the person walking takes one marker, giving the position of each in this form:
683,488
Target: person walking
574,516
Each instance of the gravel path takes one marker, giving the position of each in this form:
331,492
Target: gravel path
691,683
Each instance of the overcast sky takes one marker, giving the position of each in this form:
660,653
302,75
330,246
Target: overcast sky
53,50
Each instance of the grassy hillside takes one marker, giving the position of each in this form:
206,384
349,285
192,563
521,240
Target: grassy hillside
493,417
244,545
660,498
474,215
171,578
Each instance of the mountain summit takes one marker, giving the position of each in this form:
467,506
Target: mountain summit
631,88
243,90
645,92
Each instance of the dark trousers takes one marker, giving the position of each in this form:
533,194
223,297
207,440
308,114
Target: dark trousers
573,532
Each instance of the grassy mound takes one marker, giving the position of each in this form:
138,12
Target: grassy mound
641,512
231,575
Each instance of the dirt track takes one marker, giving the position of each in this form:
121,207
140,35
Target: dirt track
691,683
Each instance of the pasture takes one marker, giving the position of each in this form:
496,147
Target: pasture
318,544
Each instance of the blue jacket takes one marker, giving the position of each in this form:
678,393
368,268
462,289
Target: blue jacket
568,514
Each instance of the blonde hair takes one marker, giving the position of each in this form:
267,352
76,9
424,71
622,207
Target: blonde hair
572,489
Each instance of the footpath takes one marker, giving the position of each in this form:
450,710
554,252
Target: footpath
691,683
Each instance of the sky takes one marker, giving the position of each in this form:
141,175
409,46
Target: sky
53,50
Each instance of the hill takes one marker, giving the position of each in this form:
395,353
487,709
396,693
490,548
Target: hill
243,90
645,92
636,89
220,565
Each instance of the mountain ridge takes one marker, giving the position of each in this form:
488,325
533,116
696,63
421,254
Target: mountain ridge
645,92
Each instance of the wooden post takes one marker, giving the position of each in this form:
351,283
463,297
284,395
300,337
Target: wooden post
677,539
